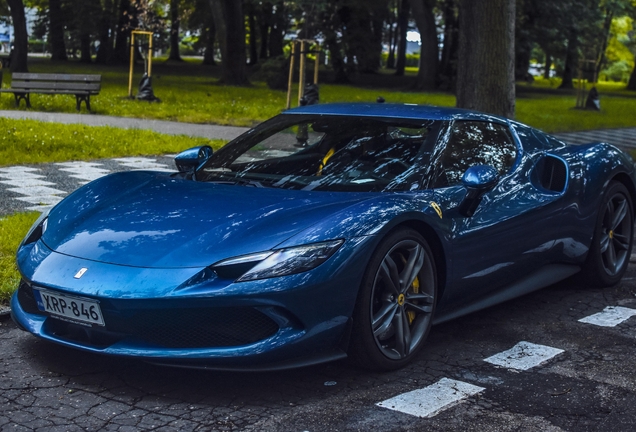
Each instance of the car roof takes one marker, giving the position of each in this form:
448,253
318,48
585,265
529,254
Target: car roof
403,111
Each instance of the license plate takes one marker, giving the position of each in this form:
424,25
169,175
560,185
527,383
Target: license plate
73,308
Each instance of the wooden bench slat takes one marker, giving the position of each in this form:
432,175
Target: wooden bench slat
35,85
64,92
82,86
56,77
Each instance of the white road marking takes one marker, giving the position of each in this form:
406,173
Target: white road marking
523,356
88,171
611,316
430,401
140,163
30,184
27,182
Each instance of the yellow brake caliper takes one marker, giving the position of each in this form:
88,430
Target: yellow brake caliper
416,289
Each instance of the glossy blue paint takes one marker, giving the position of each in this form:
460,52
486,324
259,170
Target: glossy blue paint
190,159
480,177
149,241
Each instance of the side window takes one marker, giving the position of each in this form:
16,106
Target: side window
477,143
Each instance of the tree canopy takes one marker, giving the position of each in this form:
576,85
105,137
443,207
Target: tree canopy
565,37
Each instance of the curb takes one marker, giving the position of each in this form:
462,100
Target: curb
5,312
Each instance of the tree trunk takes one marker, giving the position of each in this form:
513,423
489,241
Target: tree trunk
121,53
56,31
403,28
448,66
277,30
571,58
21,47
208,56
229,20
337,61
390,60
174,31
607,27
548,66
251,20
429,52
264,24
631,85
85,48
485,70
105,26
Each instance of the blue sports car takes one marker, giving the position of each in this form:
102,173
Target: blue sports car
327,231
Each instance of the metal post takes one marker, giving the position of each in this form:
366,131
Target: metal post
301,78
132,60
291,74
316,65
150,54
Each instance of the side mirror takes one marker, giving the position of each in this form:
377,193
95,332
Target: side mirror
477,180
189,160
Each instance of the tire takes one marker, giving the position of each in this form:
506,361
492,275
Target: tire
611,246
396,302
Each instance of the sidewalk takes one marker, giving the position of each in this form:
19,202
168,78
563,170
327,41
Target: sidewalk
624,138
166,127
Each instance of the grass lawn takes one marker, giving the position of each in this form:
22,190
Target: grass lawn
30,141
12,230
190,93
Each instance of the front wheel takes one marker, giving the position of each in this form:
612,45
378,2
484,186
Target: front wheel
395,305
611,247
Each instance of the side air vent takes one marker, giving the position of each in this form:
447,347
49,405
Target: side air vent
550,173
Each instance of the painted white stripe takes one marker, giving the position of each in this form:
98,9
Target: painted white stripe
26,182
140,163
611,316
36,191
84,170
523,356
40,208
17,169
32,186
41,200
430,401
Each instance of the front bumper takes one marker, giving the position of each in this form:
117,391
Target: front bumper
259,325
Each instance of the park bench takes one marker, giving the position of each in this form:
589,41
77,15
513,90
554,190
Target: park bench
82,86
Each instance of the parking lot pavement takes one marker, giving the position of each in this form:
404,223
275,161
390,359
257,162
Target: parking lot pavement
584,383
38,187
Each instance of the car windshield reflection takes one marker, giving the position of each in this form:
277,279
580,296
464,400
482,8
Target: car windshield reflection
332,153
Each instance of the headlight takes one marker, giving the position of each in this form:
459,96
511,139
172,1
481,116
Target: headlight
277,263
37,229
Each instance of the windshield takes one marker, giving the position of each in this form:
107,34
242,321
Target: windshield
334,153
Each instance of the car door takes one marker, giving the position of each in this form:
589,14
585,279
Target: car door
502,241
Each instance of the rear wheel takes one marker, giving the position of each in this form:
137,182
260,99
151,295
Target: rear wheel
611,247
396,302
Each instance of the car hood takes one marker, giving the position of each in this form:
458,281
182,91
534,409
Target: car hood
149,219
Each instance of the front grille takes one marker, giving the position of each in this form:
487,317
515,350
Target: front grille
173,328
195,327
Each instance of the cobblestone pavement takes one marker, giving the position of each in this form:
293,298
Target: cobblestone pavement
590,386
